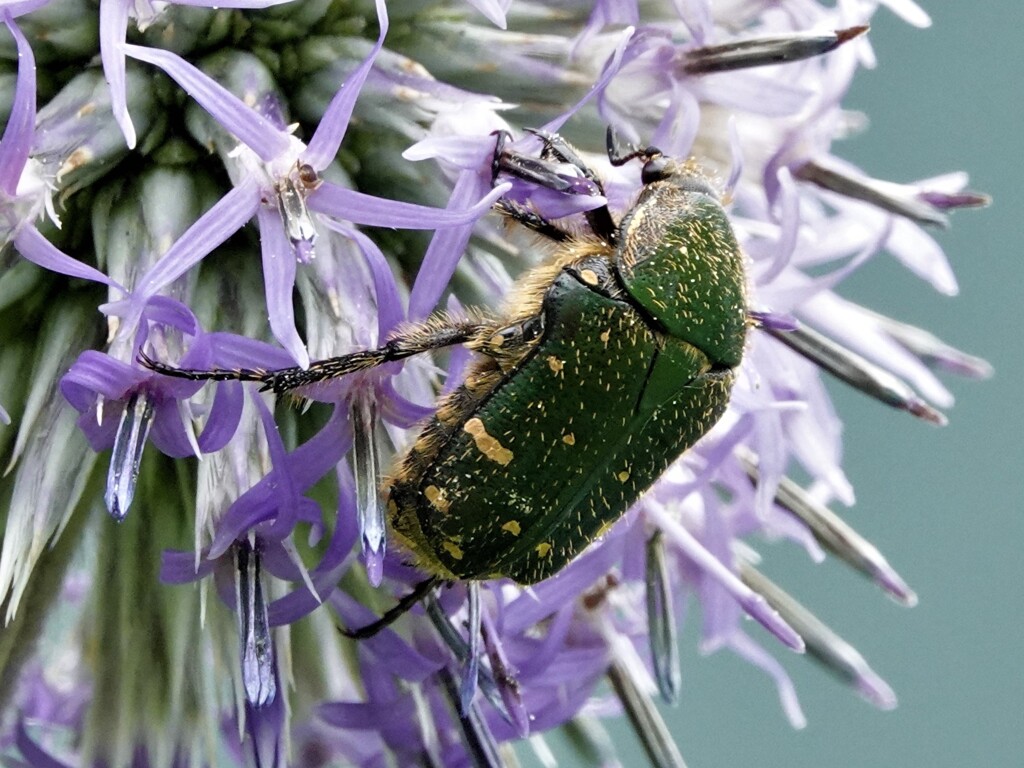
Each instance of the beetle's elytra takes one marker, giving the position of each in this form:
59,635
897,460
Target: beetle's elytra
609,361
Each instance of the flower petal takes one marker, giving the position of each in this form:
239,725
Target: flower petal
323,146
251,128
17,139
113,30
37,249
279,282
359,208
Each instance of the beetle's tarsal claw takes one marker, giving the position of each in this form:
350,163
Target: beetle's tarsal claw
823,644
267,378
501,138
613,145
366,463
661,624
645,718
758,52
257,648
129,442
846,365
833,533
616,155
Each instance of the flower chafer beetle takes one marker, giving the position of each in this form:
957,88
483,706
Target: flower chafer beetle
609,361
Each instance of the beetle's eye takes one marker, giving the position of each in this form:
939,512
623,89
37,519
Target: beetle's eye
658,168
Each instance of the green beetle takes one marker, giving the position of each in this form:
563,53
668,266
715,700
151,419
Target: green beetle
609,361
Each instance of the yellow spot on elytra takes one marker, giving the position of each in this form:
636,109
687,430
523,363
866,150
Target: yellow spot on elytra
487,445
623,476
588,276
607,334
512,526
555,364
452,549
543,549
437,497
569,439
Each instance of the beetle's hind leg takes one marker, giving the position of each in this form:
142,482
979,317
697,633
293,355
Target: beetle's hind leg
402,607
436,333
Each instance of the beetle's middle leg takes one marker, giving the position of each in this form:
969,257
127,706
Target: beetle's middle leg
435,333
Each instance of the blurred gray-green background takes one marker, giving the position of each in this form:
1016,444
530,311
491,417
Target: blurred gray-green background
945,505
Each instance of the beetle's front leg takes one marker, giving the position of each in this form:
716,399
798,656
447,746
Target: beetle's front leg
563,152
539,171
393,614
532,220
620,155
599,219
547,171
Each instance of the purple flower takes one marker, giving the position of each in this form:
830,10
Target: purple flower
276,178
122,405
25,194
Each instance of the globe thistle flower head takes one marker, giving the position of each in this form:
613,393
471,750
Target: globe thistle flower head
242,194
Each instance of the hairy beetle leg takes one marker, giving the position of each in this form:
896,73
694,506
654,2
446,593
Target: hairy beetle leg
543,173
510,339
200,374
412,340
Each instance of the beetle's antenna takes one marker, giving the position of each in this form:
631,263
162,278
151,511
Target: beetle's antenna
393,614
615,154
